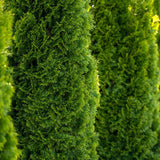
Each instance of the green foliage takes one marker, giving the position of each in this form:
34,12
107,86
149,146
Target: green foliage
157,11
156,121
156,7
124,43
55,80
8,141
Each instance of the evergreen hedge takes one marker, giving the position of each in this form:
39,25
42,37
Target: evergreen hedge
124,43
55,79
8,140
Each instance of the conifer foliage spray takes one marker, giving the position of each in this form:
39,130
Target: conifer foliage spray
55,79
124,43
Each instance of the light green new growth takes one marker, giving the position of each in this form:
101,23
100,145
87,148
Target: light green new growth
8,141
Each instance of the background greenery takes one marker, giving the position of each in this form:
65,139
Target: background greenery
124,43
8,140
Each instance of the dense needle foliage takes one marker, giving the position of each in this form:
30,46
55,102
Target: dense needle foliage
124,43
55,79
8,141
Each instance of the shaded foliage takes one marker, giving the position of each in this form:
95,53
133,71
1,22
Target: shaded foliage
124,43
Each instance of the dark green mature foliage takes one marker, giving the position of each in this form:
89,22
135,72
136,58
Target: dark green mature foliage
125,46
8,141
55,79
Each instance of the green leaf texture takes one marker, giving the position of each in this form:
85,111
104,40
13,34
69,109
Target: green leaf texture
55,79
124,43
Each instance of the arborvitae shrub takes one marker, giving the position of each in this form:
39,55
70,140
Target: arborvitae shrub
55,79
8,140
124,43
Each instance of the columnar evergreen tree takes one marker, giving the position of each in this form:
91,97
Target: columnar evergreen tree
124,43
55,79
8,140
